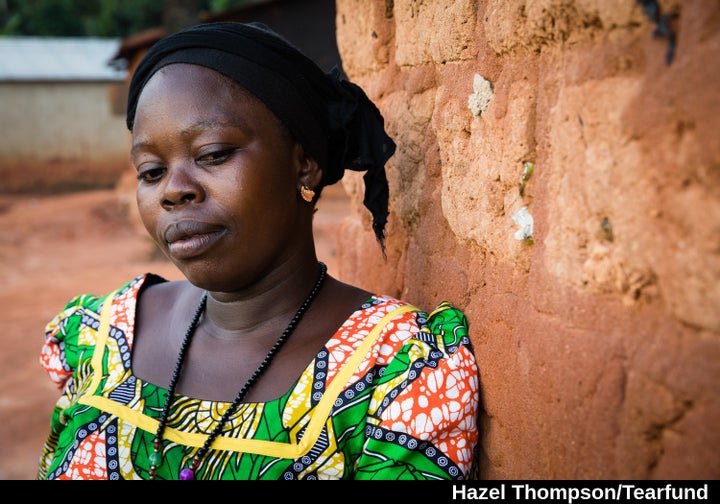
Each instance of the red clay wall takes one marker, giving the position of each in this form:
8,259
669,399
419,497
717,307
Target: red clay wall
599,337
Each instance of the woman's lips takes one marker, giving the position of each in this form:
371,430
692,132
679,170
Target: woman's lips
186,239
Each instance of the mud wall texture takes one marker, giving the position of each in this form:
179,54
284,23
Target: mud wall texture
557,177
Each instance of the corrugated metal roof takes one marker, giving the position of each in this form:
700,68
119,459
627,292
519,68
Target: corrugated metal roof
58,59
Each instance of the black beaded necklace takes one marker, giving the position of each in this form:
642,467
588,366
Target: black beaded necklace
188,473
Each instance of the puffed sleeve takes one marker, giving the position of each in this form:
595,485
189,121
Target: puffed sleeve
66,338
65,355
426,410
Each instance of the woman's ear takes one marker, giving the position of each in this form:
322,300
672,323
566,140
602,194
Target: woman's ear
309,172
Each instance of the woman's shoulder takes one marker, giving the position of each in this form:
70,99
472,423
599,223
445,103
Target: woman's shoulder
444,312
449,321
445,326
87,305
75,327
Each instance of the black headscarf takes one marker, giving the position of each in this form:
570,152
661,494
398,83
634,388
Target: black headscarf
330,116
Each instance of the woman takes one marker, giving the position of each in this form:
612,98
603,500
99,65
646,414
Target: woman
260,365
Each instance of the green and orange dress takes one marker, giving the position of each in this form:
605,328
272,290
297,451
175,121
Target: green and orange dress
392,395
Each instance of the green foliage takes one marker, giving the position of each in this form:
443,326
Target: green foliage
44,17
221,5
120,18
89,18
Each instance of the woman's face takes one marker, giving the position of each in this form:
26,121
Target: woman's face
218,178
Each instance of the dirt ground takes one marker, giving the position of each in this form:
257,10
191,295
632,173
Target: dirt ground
51,248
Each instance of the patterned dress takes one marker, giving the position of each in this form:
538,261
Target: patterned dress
392,395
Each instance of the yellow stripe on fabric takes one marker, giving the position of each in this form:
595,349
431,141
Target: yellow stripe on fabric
102,335
322,410
320,414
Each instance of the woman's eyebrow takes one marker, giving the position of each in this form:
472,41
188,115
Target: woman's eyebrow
193,129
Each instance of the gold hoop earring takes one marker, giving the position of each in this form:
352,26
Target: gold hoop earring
307,193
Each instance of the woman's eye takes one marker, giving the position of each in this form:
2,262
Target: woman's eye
216,157
151,174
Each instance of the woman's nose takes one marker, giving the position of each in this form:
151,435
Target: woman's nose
181,187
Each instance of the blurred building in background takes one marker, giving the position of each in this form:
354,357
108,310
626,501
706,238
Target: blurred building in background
60,130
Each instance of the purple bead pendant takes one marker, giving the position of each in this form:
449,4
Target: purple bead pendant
187,474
